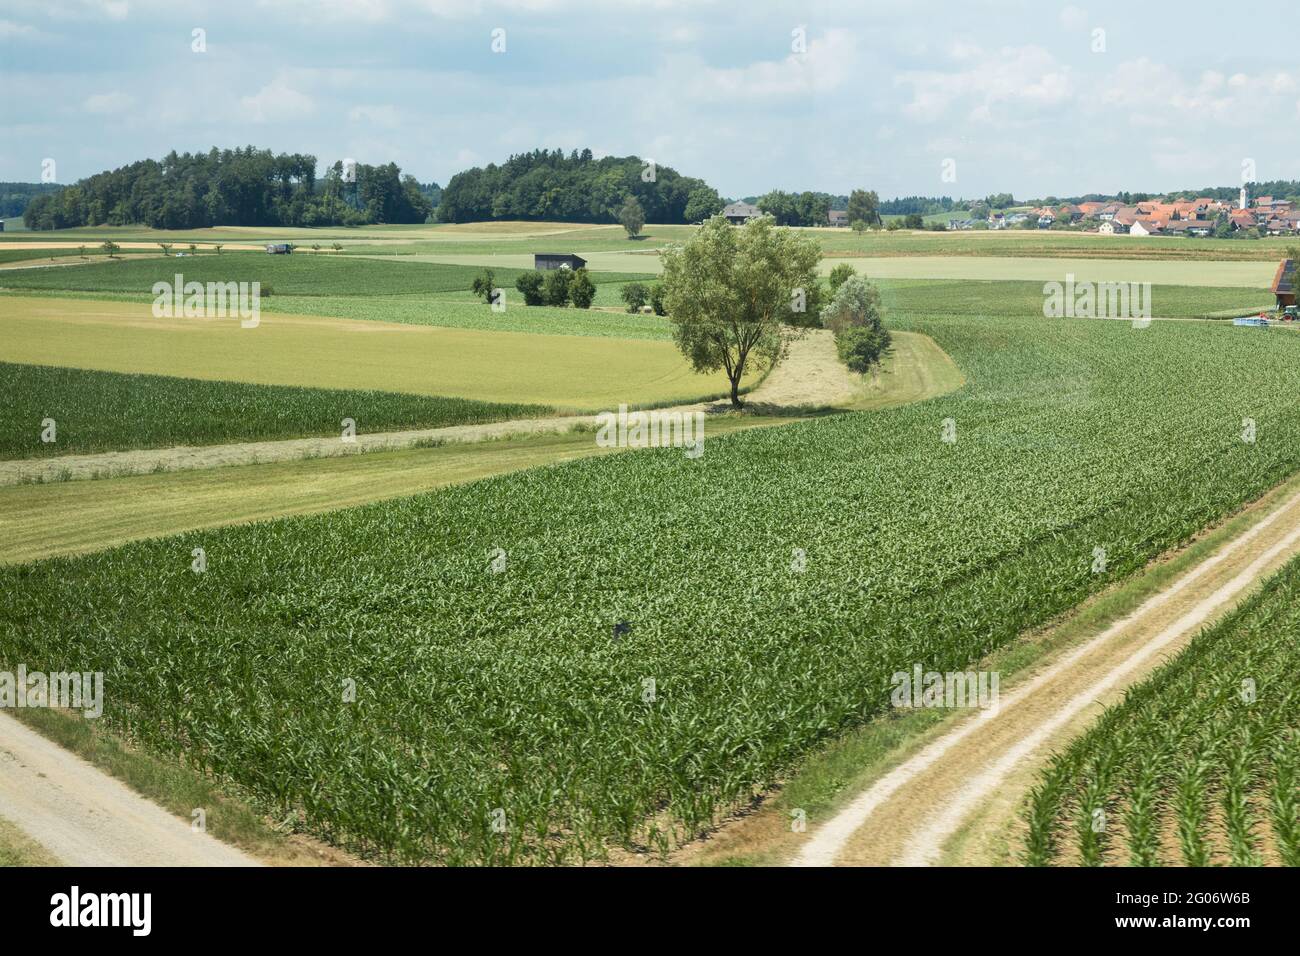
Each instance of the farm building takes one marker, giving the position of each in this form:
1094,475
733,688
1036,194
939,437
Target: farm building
545,261
279,248
837,217
1284,283
739,213
1190,227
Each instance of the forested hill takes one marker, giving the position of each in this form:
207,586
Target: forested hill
550,185
239,187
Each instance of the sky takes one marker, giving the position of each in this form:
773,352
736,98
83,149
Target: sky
929,98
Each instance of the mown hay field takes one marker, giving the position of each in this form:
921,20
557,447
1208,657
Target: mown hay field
561,371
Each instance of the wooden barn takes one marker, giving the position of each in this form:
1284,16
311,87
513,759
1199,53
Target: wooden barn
545,261
1284,283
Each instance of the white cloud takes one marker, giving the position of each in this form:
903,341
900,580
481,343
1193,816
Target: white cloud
10,29
385,116
106,103
826,67
1024,78
1153,95
370,11
276,101
1072,18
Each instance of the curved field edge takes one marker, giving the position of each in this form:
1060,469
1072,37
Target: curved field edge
1199,764
748,680
96,411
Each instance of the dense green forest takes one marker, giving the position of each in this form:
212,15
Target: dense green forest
918,205
14,197
255,187
548,184
240,187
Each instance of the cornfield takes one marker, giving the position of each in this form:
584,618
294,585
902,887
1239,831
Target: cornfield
617,650
110,411
1201,759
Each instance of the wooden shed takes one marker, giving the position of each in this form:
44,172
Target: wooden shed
545,261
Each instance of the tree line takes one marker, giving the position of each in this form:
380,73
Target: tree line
575,187
239,187
14,197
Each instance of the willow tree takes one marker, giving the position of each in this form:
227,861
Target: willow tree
730,291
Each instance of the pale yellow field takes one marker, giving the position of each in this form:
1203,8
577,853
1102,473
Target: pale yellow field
566,372
1255,275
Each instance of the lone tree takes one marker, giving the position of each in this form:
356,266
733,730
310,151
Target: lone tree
730,291
632,216
864,206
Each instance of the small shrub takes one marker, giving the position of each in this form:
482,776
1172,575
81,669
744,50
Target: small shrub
657,299
635,294
529,285
582,291
841,274
483,285
861,347
555,287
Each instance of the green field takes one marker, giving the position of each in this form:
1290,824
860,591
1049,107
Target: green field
479,691
108,411
1207,749
516,238
568,372
933,297
299,275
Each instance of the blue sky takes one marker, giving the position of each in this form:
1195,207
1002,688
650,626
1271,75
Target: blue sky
1022,97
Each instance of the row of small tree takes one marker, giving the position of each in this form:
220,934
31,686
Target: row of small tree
555,287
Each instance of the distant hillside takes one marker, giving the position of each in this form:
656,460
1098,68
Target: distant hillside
577,187
240,187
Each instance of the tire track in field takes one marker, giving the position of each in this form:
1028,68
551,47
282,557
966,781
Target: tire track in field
957,799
